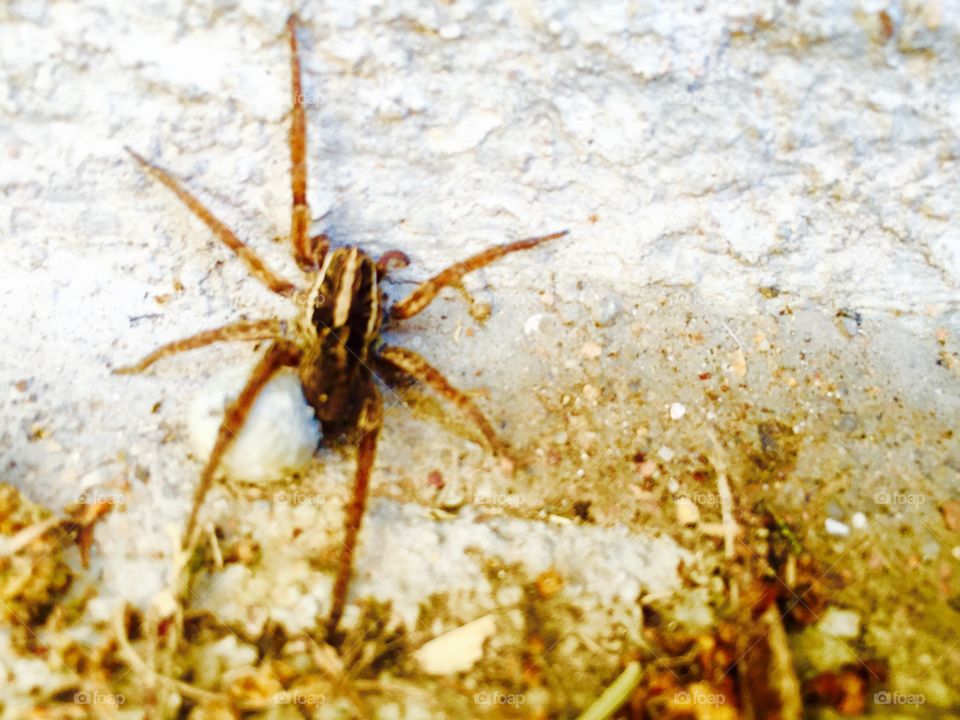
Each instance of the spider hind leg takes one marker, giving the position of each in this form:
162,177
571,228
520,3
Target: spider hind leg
369,424
404,363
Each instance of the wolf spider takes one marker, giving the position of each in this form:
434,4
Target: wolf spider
334,343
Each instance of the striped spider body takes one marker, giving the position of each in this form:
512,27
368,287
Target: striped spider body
339,324
334,342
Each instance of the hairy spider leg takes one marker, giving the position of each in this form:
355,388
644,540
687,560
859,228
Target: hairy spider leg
415,367
416,301
257,267
391,260
369,424
308,252
243,330
280,354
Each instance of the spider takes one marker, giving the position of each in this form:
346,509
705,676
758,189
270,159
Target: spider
334,343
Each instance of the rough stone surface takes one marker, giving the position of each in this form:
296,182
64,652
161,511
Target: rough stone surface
736,152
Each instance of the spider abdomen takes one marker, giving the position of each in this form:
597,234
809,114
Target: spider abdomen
342,316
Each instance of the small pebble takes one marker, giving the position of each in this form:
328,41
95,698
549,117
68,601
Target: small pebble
930,549
457,650
835,527
532,324
677,410
840,623
591,350
850,326
665,454
451,497
647,468
687,512
591,392
859,520
738,363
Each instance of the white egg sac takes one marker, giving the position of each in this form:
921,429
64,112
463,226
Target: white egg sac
279,436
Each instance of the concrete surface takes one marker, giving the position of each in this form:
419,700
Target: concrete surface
712,151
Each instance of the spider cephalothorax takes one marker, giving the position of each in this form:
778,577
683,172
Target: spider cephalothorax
339,322
334,343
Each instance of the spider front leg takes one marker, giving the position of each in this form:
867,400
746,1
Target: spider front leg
308,252
413,366
280,354
257,267
427,291
371,420
244,330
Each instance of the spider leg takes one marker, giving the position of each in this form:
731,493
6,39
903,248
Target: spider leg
427,291
244,330
369,425
412,365
308,252
478,311
279,354
257,267
392,260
